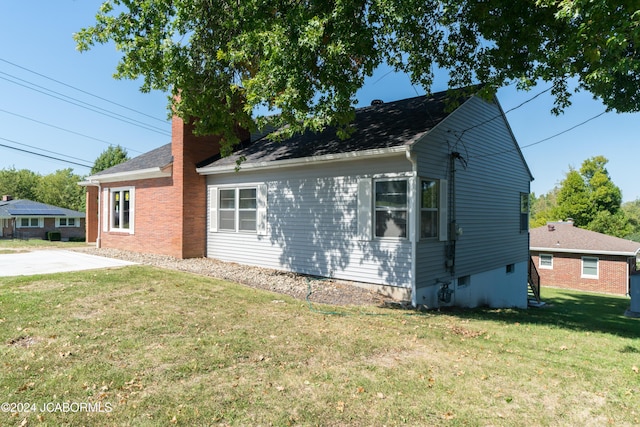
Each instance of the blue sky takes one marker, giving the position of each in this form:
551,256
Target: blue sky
37,37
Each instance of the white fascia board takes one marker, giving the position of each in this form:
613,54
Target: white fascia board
277,164
584,251
158,172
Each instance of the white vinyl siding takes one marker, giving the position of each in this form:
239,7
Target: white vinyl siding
315,219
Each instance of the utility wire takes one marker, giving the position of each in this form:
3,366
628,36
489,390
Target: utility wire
544,139
47,151
67,130
42,155
83,91
86,105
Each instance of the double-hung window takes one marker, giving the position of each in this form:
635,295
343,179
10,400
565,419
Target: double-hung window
67,222
391,205
121,205
546,261
429,199
238,209
29,223
589,267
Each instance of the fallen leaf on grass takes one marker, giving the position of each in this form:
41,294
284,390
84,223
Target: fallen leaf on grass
635,369
340,406
448,416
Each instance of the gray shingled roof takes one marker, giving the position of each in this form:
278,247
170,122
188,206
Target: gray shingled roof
565,237
379,126
23,207
158,158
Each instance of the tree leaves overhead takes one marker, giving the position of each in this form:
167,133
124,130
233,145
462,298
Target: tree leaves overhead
222,59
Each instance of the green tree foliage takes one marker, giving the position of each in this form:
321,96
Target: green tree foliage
20,184
632,212
307,59
61,189
112,156
589,197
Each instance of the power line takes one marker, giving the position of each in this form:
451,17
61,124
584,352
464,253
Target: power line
83,91
47,151
67,130
41,155
565,131
542,140
86,105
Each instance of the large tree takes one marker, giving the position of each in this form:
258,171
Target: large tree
220,59
20,184
61,189
589,197
112,156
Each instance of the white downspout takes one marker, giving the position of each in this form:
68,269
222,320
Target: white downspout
413,222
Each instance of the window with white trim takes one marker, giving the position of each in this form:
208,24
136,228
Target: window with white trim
391,206
30,222
429,200
238,209
121,202
545,261
67,222
589,267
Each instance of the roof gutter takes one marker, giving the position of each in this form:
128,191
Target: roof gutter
278,164
156,172
585,251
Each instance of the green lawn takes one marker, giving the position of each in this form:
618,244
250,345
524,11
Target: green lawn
153,347
11,245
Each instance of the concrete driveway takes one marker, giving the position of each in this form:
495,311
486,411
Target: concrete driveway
53,261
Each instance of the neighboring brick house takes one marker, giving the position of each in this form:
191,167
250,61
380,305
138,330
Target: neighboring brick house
26,219
570,257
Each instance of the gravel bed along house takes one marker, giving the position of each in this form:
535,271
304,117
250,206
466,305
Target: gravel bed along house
326,291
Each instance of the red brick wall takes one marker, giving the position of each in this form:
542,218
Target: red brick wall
567,272
91,226
170,213
156,226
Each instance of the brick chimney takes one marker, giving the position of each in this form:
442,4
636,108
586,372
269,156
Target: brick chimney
191,199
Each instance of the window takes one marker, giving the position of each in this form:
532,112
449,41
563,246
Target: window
391,208
429,209
121,209
67,222
228,210
464,281
590,267
510,268
247,208
238,209
29,223
524,211
546,261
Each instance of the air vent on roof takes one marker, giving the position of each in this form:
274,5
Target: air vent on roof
551,227
377,102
